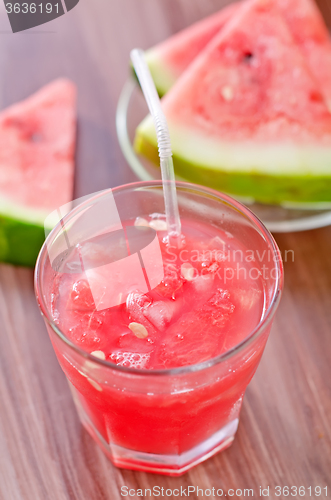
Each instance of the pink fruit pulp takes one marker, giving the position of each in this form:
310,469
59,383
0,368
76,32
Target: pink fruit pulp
37,143
177,52
188,322
231,91
303,18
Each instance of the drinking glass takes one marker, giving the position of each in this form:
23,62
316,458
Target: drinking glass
168,420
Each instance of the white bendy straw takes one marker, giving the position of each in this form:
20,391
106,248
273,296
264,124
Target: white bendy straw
163,140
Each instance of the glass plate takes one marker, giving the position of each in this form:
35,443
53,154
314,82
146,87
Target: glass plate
132,109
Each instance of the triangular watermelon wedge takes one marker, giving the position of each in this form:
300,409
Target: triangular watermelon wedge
37,142
170,58
247,116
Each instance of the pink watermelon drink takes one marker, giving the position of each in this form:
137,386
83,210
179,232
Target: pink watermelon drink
158,378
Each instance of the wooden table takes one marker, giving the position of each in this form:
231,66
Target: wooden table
284,435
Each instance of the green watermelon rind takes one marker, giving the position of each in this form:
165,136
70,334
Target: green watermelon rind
22,234
163,78
273,187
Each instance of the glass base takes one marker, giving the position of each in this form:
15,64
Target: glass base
171,465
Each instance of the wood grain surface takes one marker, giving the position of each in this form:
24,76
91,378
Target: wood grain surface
284,436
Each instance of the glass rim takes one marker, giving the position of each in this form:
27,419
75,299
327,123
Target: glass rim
254,333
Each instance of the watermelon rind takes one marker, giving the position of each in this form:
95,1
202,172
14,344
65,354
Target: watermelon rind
37,167
163,78
270,173
22,233
168,59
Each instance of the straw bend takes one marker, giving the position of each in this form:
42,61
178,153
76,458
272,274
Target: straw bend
163,137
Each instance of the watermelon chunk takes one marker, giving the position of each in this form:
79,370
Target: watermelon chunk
247,116
37,141
170,58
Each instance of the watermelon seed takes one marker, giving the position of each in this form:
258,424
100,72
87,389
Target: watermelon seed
248,56
99,354
187,271
140,221
139,330
227,93
158,225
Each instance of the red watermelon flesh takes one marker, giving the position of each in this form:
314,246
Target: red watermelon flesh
305,20
174,55
170,58
248,116
245,86
37,142
310,32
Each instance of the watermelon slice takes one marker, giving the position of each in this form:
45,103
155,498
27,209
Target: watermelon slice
37,140
170,58
247,116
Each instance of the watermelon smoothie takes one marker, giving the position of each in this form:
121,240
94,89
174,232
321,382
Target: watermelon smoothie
159,366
